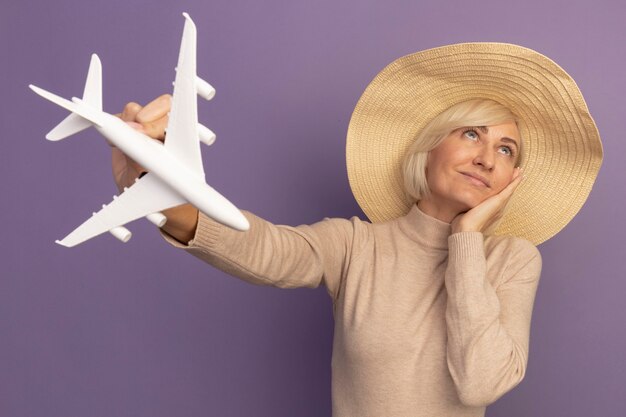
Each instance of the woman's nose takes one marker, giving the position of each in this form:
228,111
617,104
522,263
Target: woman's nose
485,158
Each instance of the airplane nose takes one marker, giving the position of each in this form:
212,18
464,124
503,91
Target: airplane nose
243,223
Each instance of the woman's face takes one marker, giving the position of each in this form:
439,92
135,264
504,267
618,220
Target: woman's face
468,153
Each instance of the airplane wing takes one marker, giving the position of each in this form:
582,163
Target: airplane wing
148,195
182,130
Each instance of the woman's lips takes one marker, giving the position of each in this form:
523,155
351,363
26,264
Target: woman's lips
474,180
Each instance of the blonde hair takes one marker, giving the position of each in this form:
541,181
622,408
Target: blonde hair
477,112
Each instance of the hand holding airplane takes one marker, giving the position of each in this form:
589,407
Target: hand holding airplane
152,120
176,174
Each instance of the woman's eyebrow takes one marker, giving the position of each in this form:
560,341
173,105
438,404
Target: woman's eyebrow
509,140
485,130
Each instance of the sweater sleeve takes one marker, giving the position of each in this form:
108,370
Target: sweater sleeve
277,255
488,329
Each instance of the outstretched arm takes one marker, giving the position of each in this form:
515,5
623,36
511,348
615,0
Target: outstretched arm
279,255
267,254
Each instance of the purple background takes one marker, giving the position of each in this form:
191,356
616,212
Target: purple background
141,329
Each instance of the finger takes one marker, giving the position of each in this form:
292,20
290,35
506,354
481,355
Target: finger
155,110
508,191
129,114
156,128
517,178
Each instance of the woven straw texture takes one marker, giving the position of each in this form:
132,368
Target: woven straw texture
562,148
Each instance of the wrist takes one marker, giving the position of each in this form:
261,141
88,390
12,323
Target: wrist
461,229
182,222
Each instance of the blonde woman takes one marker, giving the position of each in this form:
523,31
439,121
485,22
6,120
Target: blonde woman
433,299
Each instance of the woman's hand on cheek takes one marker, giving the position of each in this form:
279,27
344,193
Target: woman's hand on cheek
483,215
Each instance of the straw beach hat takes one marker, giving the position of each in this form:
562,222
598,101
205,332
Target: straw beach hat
562,149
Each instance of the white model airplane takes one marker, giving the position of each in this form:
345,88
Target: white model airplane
176,175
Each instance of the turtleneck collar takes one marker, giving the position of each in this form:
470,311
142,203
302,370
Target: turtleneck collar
424,229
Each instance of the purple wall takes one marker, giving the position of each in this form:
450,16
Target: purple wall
141,329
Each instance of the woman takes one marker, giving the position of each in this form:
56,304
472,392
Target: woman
433,300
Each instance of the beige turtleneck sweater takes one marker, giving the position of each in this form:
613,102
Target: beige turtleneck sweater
427,323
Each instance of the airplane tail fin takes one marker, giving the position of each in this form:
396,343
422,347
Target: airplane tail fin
78,120
92,94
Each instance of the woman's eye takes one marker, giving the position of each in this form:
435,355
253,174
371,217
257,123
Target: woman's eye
507,150
471,134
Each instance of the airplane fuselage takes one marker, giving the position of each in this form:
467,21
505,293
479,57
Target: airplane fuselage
153,156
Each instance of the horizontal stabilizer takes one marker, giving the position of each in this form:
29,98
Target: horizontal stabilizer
81,110
70,125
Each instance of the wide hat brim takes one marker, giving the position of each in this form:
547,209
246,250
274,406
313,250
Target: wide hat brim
562,151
